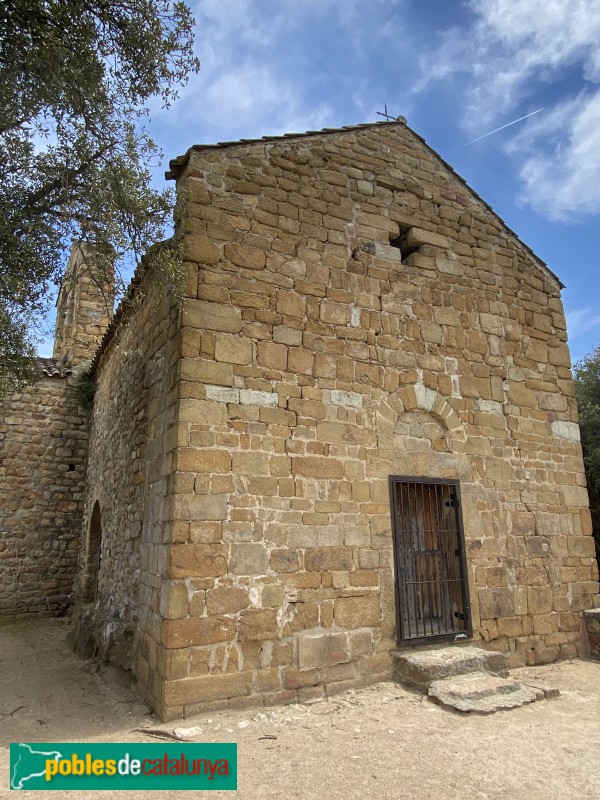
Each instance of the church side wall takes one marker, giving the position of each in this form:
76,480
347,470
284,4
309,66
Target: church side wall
43,449
127,482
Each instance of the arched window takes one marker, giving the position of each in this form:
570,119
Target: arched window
93,555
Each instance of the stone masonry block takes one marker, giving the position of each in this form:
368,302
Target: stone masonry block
211,316
539,599
272,355
250,463
233,349
322,650
287,336
335,313
200,249
290,304
358,612
317,467
197,560
252,397
206,371
174,600
582,547
343,433
257,624
328,558
285,560
202,412
192,632
415,237
249,558
494,603
349,399
222,394
226,600
199,507
521,396
193,460
575,496
300,360
243,256
207,688
566,430
273,595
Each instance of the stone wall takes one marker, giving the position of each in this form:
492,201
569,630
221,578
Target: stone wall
354,311
43,447
128,481
591,619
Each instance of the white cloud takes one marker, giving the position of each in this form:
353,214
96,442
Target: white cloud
513,43
255,102
560,168
515,52
582,320
263,72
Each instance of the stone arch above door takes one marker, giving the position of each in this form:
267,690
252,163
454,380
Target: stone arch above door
422,401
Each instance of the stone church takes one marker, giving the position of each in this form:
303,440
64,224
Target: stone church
357,432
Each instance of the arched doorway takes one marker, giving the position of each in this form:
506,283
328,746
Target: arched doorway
94,549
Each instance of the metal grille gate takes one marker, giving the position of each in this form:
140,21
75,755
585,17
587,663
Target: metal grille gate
432,596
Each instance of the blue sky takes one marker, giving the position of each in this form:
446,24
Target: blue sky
456,71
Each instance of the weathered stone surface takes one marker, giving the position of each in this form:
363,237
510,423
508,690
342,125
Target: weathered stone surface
566,430
249,558
242,256
482,693
350,399
258,624
211,316
250,397
200,249
322,650
233,350
317,467
417,236
174,600
285,560
226,600
191,632
358,612
41,496
199,507
423,668
336,558
207,688
197,560
549,692
592,623
495,603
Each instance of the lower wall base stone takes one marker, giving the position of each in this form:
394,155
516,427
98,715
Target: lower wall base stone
310,693
244,702
257,688
569,651
284,698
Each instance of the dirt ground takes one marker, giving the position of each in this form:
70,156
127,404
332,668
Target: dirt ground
382,741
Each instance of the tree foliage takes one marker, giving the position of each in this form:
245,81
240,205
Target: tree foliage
587,389
75,80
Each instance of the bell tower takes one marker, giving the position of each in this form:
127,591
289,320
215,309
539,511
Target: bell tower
84,307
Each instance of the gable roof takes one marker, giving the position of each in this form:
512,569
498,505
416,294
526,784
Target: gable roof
177,165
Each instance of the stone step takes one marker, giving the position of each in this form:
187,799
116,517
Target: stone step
482,693
420,668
